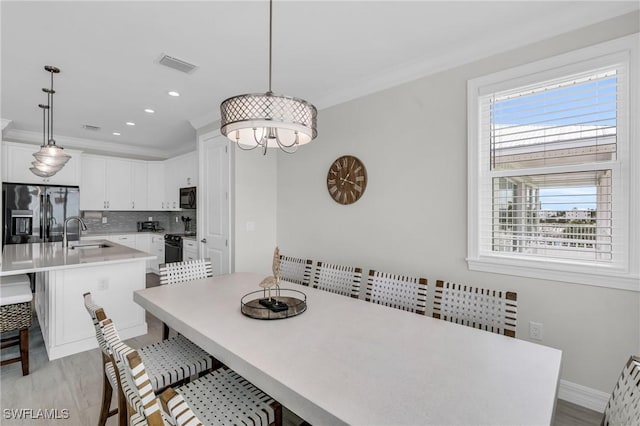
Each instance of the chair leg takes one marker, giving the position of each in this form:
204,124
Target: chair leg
165,331
123,410
107,391
277,408
24,350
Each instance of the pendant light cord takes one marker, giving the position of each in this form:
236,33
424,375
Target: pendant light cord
270,37
51,109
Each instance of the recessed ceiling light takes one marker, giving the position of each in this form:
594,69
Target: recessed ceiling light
149,110
172,93
116,134
130,123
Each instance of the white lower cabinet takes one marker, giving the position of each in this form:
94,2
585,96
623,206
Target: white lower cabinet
127,240
146,242
124,240
189,250
157,248
152,244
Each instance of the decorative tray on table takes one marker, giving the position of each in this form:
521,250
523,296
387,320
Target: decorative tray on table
284,303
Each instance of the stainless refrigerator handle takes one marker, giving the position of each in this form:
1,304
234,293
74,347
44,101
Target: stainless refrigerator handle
48,218
42,214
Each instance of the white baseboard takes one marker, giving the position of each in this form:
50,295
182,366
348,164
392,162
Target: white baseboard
581,395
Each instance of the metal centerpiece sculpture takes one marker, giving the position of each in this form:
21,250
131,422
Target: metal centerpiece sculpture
273,302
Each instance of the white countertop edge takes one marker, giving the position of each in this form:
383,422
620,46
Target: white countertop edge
76,266
11,257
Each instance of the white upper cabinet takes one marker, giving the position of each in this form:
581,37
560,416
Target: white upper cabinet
17,158
119,180
140,185
155,185
93,190
107,183
188,170
172,183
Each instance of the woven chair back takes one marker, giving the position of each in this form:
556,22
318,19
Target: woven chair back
489,310
340,279
178,272
134,373
623,407
397,291
97,314
295,270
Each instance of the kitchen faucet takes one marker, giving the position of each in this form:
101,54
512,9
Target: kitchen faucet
65,241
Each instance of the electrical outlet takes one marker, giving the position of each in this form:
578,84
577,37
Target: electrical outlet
176,219
104,220
536,330
150,218
103,284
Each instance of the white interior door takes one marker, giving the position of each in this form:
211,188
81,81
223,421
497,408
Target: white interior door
213,201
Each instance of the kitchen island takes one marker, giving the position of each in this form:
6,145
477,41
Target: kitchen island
110,271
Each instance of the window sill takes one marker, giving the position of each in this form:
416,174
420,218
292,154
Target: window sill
599,276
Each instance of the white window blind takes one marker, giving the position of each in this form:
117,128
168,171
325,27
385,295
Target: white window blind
554,168
551,149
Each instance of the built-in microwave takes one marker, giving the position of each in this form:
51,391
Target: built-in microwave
188,198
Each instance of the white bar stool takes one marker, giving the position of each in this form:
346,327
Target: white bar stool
15,314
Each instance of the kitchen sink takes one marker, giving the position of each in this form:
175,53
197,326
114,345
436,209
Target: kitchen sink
89,246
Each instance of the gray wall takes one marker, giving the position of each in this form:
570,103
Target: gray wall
412,218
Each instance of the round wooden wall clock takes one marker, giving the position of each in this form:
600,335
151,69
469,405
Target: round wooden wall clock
347,179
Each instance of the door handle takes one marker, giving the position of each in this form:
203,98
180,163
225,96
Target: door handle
204,240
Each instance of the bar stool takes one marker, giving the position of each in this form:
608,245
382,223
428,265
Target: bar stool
15,314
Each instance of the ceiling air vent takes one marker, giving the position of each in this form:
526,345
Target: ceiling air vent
90,127
177,64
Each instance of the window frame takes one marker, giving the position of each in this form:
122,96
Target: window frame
623,273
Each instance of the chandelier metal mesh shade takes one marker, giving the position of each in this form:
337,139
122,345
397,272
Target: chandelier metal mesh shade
51,158
267,120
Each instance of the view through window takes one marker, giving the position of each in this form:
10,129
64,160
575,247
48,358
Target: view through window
557,124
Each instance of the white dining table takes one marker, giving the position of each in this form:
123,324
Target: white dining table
348,361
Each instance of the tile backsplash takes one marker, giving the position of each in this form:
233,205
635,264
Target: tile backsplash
126,221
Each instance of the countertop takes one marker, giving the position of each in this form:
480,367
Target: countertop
108,234
37,257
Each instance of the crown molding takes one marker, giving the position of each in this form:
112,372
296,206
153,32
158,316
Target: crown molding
4,123
528,33
91,146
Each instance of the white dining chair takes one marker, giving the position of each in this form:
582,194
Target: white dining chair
397,291
220,397
188,270
623,407
489,310
340,279
180,272
170,361
296,270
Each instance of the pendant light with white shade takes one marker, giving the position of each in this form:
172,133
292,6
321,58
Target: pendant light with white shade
51,158
267,120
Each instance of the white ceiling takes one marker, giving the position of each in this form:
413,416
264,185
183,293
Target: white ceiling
326,52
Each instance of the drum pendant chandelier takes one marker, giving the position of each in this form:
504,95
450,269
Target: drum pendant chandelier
267,120
51,158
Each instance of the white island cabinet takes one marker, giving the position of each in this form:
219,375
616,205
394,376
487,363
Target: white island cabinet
109,271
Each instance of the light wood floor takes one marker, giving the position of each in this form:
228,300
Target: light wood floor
74,383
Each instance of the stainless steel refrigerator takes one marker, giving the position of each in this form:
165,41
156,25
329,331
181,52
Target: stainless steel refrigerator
36,213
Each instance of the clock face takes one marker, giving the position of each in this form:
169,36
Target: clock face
347,179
